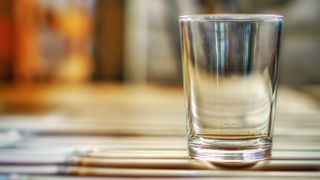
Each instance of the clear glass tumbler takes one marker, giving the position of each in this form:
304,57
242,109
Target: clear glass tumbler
230,69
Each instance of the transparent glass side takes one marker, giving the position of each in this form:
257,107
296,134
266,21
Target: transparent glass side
230,80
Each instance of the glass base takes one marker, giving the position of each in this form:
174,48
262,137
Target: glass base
230,151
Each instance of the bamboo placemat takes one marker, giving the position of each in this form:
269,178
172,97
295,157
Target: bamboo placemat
132,132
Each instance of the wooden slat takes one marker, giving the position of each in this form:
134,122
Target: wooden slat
152,159
61,177
135,172
286,142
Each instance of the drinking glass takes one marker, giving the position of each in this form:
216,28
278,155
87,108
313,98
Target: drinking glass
230,70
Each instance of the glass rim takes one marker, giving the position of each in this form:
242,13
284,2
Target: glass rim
231,17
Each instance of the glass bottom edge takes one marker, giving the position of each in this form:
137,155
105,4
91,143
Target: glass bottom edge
230,151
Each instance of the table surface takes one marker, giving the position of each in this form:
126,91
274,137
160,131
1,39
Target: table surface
137,131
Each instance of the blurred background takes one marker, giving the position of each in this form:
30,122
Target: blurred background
136,41
79,76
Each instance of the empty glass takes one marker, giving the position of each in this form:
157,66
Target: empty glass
230,69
